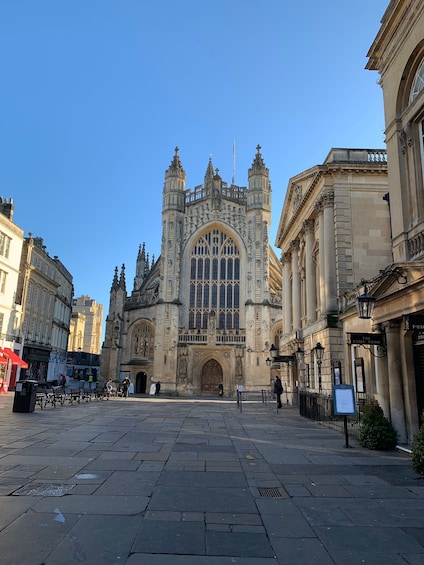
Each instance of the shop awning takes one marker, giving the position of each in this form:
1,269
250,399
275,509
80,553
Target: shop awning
3,360
16,360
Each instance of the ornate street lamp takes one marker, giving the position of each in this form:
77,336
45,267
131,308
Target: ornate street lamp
319,354
275,358
364,302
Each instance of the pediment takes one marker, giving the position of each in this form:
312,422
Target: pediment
297,197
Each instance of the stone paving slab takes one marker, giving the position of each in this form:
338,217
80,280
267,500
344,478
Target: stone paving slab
194,481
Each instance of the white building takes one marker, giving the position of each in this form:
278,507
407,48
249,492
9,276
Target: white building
11,240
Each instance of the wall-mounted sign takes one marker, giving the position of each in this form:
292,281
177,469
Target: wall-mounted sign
414,323
366,339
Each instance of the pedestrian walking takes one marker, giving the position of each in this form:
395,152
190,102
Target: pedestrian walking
125,387
157,388
278,390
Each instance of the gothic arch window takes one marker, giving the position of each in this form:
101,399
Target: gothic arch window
142,341
418,82
215,281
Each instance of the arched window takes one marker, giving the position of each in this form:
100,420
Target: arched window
142,341
215,274
418,83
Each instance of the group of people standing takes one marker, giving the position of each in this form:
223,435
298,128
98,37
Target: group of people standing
125,387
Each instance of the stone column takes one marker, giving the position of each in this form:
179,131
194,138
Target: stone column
296,324
310,271
287,295
412,418
321,258
329,252
397,407
383,391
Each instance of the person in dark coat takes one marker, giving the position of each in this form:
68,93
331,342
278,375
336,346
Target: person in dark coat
278,390
125,387
157,388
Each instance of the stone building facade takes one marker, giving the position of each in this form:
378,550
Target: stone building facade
44,292
86,325
334,230
11,241
397,377
203,313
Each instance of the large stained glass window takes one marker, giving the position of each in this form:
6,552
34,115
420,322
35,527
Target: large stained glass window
215,281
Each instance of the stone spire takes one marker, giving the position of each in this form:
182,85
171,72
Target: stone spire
258,165
122,284
115,282
174,187
259,193
209,172
176,167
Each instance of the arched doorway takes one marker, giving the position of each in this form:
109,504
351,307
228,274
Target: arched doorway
140,383
211,377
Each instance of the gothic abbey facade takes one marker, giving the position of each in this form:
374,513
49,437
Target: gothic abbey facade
207,311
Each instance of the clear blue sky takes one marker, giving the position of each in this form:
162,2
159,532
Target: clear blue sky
96,94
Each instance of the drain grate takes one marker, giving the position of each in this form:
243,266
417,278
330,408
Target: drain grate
270,492
41,489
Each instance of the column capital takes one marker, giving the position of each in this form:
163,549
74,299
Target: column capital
295,245
327,198
308,226
391,325
286,258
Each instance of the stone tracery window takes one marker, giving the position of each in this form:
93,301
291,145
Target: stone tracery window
215,281
418,83
142,341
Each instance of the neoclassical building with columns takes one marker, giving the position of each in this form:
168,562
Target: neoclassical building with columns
203,313
396,378
334,230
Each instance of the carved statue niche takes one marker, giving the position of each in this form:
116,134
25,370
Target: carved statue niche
182,365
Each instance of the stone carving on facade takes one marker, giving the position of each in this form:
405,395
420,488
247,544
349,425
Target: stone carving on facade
405,136
308,226
297,197
239,366
327,198
286,258
182,365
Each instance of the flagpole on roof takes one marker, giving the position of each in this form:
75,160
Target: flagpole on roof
234,162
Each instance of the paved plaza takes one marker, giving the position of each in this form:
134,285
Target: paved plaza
168,481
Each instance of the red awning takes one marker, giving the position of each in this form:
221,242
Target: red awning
16,360
3,360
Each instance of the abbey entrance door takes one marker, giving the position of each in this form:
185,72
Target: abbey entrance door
211,377
140,383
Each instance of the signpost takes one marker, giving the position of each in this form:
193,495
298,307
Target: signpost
344,404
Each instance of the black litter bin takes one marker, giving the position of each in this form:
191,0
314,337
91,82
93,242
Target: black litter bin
25,396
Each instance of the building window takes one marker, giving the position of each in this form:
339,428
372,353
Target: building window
142,341
418,83
215,281
3,277
4,245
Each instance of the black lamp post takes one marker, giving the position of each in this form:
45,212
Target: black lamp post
364,302
275,358
319,354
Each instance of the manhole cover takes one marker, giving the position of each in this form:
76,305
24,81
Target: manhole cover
43,490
